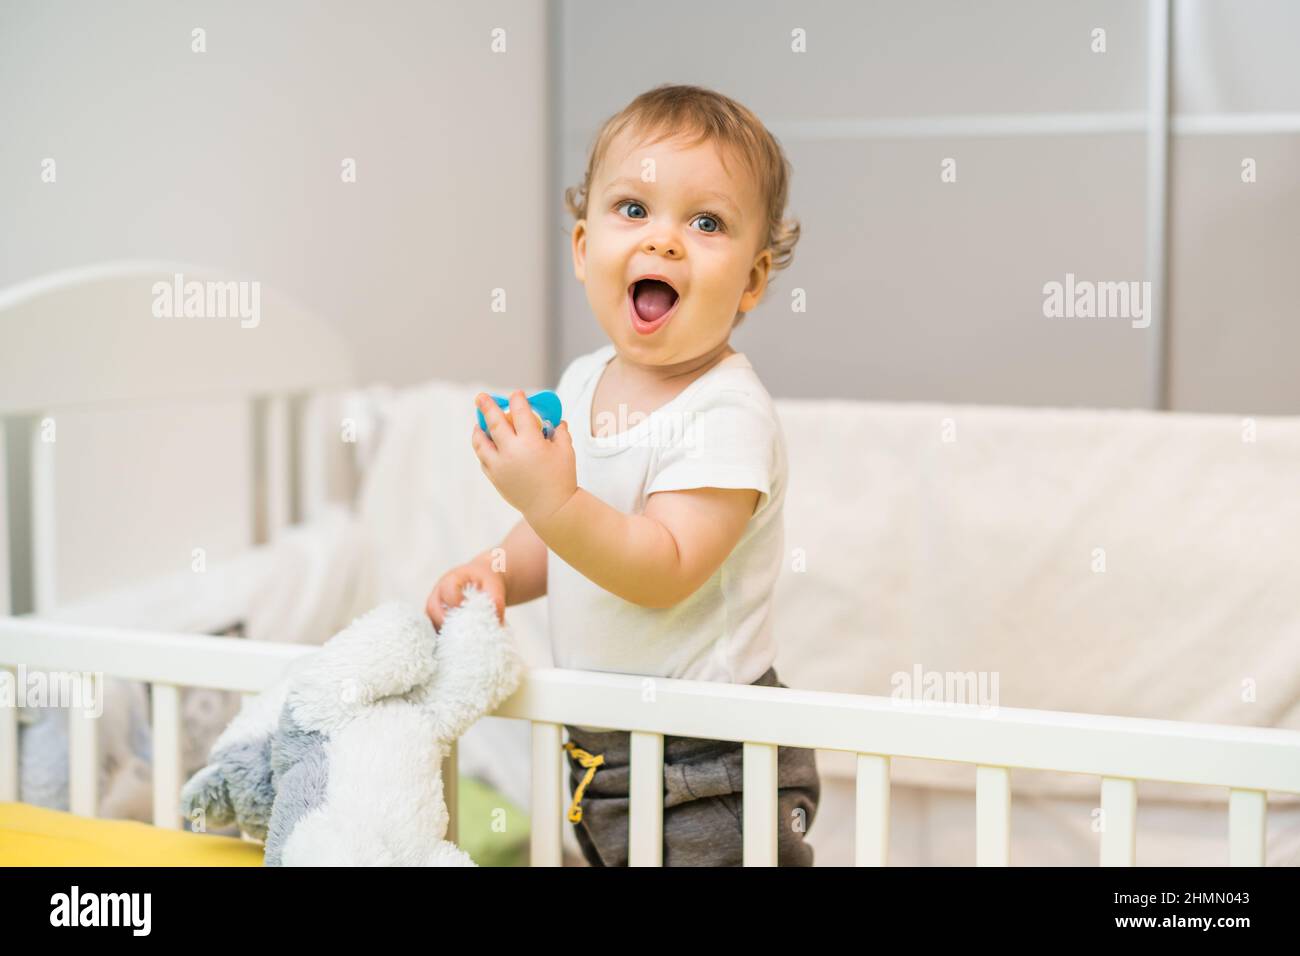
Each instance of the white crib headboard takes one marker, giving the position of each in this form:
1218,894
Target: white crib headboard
93,335
178,398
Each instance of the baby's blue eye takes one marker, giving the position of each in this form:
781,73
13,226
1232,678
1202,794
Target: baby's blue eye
716,225
629,202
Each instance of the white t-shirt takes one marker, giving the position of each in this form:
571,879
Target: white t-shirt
721,431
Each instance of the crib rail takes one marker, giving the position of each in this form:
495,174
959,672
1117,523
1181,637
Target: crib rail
1248,761
84,656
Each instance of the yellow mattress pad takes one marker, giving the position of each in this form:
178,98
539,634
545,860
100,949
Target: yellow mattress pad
37,836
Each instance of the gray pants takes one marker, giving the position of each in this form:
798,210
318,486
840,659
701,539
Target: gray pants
703,810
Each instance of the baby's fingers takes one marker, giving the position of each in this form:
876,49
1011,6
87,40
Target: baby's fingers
498,425
433,608
446,593
522,416
483,447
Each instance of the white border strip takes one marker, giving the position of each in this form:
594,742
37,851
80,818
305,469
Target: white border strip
1230,124
1157,199
1003,124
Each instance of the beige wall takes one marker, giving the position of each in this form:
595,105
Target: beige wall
233,157
916,289
924,290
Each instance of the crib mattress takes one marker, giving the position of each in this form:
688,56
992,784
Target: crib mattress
37,836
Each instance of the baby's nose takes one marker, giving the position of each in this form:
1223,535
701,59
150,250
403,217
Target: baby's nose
668,248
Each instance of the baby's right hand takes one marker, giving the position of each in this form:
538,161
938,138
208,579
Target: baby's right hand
448,590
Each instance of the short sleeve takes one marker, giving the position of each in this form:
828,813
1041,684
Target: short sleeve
729,441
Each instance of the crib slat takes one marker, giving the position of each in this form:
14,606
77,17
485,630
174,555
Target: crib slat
278,466
645,842
759,804
1247,816
8,715
313,432
9,738
6,507
646,805
992,816
1119,821
83,748
545,839
451,792
871,816
166,755
43,519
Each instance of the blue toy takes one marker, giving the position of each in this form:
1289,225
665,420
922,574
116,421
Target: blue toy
545,405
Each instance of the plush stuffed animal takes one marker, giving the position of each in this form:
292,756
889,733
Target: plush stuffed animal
340,764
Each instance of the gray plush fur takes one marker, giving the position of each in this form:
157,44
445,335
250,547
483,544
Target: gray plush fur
300,773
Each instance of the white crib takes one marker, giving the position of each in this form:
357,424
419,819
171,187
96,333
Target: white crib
1120,751
281,389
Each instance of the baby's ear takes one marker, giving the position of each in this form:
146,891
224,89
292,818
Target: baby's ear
580,250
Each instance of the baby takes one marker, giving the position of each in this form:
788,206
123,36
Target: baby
653,519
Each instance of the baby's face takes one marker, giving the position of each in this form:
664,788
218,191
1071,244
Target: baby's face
673,211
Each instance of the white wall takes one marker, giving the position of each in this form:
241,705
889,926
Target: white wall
1236,336
232,158
917,289
921,290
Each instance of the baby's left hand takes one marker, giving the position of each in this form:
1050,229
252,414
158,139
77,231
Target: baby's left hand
534,474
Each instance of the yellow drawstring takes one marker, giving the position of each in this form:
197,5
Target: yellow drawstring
591,762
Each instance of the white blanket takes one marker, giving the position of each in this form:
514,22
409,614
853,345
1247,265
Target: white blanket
970,538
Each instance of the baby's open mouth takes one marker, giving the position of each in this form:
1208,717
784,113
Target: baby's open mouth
652,299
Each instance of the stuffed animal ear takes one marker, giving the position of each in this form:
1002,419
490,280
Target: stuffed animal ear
386,652
478,666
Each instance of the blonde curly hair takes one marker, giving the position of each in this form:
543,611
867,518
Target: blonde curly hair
672,110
